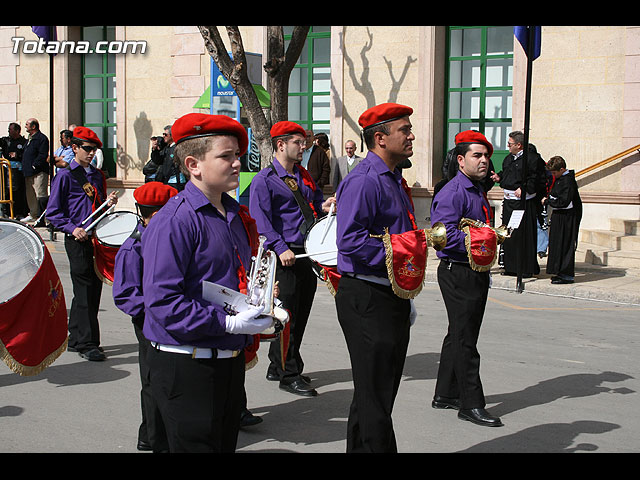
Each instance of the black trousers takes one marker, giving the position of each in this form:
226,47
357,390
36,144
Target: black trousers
199,400
375,324
298,284
151,428
84,330
464,292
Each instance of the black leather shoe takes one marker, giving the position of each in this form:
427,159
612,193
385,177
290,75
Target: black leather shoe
559,280
144,446
298,387
93,355
273,377
444,402
479,416
248,419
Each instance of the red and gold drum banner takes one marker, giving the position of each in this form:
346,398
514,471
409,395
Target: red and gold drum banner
406,259
104,259
482,247
33,323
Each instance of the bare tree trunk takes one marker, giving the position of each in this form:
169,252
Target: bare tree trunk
278,67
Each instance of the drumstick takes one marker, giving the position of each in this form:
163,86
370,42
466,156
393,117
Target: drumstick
97,210
100,218
305,255
326,227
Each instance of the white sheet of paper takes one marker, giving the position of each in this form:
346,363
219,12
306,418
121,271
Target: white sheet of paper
516,218
232,301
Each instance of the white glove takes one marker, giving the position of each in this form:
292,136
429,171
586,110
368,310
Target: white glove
413,314
249,322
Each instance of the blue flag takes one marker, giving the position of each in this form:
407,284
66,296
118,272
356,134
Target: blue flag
45,33
522,34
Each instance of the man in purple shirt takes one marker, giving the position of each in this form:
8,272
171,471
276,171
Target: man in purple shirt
128,297
197,363
374,320
464,290
75,192
285,202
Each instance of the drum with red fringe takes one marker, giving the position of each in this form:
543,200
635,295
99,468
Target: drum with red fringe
33,312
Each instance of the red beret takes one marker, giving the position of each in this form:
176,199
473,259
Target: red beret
385,112
471,136
153,194
194,125
86,134
286,128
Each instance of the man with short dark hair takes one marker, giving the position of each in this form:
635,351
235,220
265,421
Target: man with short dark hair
463,277
35,168
375,320
285,201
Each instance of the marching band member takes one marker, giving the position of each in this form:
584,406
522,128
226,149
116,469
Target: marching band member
464,288
374,320
75,192
127,296
197,361
285,202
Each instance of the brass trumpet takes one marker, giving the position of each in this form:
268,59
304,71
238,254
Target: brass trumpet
261,284
437,236
502,232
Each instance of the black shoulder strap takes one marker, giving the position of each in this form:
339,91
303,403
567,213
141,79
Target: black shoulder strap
307,213
80,176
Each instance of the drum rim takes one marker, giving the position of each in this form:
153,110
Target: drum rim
315,224
115,245
40,242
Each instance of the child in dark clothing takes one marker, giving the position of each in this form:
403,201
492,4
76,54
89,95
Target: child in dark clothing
565,221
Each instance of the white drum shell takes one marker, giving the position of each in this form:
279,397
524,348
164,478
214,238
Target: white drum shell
321,246
116,227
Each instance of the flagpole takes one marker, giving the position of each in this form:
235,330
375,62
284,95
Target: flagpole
525,153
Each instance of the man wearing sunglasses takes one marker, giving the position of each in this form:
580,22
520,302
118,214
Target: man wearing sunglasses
76,191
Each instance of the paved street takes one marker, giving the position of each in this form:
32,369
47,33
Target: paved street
562,373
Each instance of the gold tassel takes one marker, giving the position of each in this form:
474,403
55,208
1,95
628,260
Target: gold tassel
25,370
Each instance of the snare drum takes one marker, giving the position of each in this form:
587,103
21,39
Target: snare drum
116,227
320,244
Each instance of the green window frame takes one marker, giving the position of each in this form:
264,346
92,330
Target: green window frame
479,84
310,82
99,93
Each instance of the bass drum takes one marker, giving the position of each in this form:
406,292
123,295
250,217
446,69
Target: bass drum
115,228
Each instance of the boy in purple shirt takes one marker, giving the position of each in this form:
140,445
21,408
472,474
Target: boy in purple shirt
127,296
197,361
75,192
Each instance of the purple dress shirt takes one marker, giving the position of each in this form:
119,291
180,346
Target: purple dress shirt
127,277
369,199
68,204
187,242
460,197
275,210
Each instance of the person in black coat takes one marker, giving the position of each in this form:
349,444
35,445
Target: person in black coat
35,168
511,180
565,200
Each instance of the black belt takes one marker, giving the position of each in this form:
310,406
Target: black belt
450,262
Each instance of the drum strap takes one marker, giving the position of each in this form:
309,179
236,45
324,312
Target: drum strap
308,212
92,192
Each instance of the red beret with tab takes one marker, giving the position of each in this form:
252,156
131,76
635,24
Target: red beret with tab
286,128
88,135
153,194
195,125
385,112
472,136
